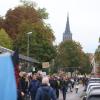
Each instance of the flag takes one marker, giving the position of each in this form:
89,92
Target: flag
15,58
7,78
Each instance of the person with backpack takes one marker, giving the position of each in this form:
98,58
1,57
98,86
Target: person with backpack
45,92
33,87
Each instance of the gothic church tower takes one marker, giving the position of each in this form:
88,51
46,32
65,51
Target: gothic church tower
67,35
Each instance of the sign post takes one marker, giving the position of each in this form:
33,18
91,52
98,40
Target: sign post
45,66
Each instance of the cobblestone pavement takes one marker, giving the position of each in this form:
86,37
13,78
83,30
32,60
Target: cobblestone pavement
73,95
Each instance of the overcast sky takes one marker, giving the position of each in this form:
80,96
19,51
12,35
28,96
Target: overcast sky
84,19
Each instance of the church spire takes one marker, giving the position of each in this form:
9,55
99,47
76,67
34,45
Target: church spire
67,34
67,30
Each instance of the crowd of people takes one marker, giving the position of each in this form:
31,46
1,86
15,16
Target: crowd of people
39,87
34,86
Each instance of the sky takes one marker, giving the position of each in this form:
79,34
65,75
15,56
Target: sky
84,19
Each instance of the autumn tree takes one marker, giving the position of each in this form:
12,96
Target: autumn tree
25,18
26,12
15,17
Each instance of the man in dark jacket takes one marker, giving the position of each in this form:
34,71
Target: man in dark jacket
54,84
64,87
22,87
34,85
45,92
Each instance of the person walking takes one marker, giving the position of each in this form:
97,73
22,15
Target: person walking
76,87
33,87
45,92
22,87
70,85
64,87
55,85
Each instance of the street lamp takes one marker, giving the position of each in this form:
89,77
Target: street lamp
29,33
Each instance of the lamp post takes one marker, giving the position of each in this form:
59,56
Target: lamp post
28,49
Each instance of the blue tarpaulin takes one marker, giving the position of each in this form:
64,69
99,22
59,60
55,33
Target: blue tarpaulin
7,78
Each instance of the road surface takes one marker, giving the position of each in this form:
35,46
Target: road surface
73,95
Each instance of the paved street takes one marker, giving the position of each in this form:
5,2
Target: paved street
73,95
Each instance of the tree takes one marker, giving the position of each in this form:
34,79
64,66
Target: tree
85,64
26,18
15,17
26,12
1,22
41,46
5,40
70,56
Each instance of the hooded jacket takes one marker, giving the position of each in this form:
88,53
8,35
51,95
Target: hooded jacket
43,88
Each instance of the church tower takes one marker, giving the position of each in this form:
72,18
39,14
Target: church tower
67,35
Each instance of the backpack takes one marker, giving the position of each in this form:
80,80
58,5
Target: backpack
46,94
